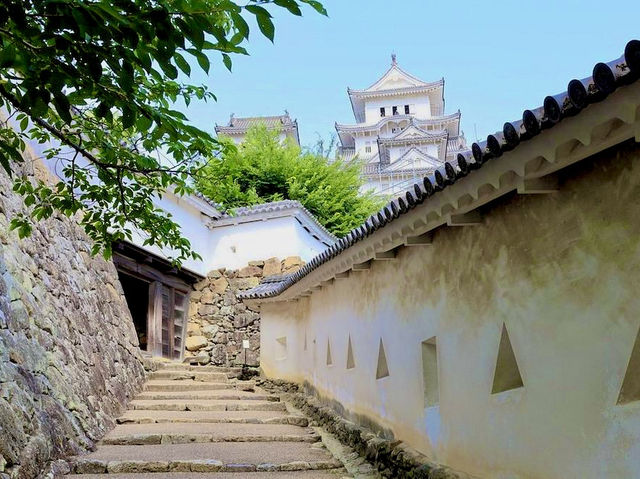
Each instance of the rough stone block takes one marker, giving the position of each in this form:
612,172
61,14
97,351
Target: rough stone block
210,330
86,466
206,465
249,271
209,298
272,266
120,467
219,285
195,343
193,329
245,283
292,261
207,309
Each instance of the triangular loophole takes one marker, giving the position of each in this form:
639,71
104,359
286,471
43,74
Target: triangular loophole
351,363
382,371
329,358
630,390
507,374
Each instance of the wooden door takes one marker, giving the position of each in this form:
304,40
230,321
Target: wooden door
167,322
172,319
180,304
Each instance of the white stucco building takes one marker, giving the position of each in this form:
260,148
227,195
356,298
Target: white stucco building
230,240
237,127
278,229
401,132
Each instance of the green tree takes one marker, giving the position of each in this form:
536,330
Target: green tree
98,81
263,169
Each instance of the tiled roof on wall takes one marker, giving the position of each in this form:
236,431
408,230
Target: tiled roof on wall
279,122
280,208
606,78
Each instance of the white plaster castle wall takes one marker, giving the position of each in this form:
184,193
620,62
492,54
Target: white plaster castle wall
193,226
361,142
234,246
420,107
560,271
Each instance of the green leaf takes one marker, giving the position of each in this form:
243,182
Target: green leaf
22,225
266,26
227,61
203,60
8,56
290,5
169,70
182,63
317,6
63,107
128,117
257,10
240,24
4,161
143,123
11,152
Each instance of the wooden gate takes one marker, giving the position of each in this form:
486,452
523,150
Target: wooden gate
168,298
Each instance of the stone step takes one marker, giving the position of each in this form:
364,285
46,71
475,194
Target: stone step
204,369
328,474
206,457
171,433
191,385
193,375
232,417
214,394
206,405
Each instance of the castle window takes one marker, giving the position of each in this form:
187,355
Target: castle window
406,109
382,111
367,149
394,110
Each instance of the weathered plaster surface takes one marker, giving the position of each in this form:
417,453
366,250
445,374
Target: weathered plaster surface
560,270
69,357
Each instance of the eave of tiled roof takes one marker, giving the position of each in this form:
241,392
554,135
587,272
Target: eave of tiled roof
426,87
376,126
240,125
439,193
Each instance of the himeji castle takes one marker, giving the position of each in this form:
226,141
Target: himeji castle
401,131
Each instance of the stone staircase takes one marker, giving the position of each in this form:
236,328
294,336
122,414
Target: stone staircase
202,422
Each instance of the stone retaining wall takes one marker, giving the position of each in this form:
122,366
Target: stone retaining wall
219,322
69,357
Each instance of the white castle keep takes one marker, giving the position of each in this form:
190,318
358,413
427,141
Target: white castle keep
401,131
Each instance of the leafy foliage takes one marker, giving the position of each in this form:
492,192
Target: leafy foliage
263,169
96,82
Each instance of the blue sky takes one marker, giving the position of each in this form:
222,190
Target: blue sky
497,57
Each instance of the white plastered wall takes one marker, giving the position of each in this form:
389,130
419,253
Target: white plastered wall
420,107
233,246
560,270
